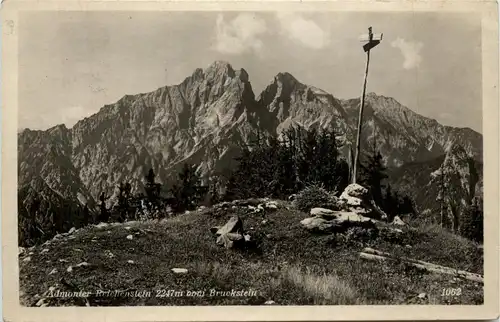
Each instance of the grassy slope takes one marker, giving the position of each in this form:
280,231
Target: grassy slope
291,266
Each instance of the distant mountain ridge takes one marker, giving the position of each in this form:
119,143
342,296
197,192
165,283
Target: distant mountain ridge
205,120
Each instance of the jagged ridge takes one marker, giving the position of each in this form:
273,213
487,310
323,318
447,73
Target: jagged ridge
204,120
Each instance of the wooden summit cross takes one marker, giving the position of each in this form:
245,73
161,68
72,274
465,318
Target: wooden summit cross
371,41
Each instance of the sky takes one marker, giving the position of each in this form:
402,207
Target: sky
73,63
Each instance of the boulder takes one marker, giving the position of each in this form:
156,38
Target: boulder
318,224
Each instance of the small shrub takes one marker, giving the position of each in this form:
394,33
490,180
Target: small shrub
360,234
314,196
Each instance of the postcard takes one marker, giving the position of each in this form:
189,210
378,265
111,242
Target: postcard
230,161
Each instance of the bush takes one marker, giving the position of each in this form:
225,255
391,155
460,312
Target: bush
314,196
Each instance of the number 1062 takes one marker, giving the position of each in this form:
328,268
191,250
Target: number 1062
451,292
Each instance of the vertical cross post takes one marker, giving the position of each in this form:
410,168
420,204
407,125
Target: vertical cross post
371,43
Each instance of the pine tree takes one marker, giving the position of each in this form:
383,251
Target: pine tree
151,187
372,175
188,190
124,201
86,215
104,213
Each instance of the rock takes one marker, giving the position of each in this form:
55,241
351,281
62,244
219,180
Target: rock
292,197
234,225
69,269
130,237
321,211
82,264
247,237
332,221
354,190
398,221
231,233
317,224
264,221
229,240
40,302
102,225
45,250
273,205
130,261
27,259
128,228
109,254
72,230
270,302
179,270
422,295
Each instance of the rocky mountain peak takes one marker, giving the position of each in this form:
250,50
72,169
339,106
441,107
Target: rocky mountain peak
286,78
219,70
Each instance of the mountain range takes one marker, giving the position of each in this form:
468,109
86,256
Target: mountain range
205,120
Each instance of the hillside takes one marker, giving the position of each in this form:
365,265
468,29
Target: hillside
286,264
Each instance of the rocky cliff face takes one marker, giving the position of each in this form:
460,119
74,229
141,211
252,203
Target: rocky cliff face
205,120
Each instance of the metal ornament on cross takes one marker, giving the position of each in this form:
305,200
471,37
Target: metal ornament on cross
371,40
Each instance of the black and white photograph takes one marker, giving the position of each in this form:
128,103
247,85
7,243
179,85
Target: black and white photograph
250,158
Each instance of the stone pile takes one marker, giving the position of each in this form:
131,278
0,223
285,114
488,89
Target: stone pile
354,208
357,199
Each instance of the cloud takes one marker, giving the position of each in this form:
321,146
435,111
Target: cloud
240,34
410,51
303,31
